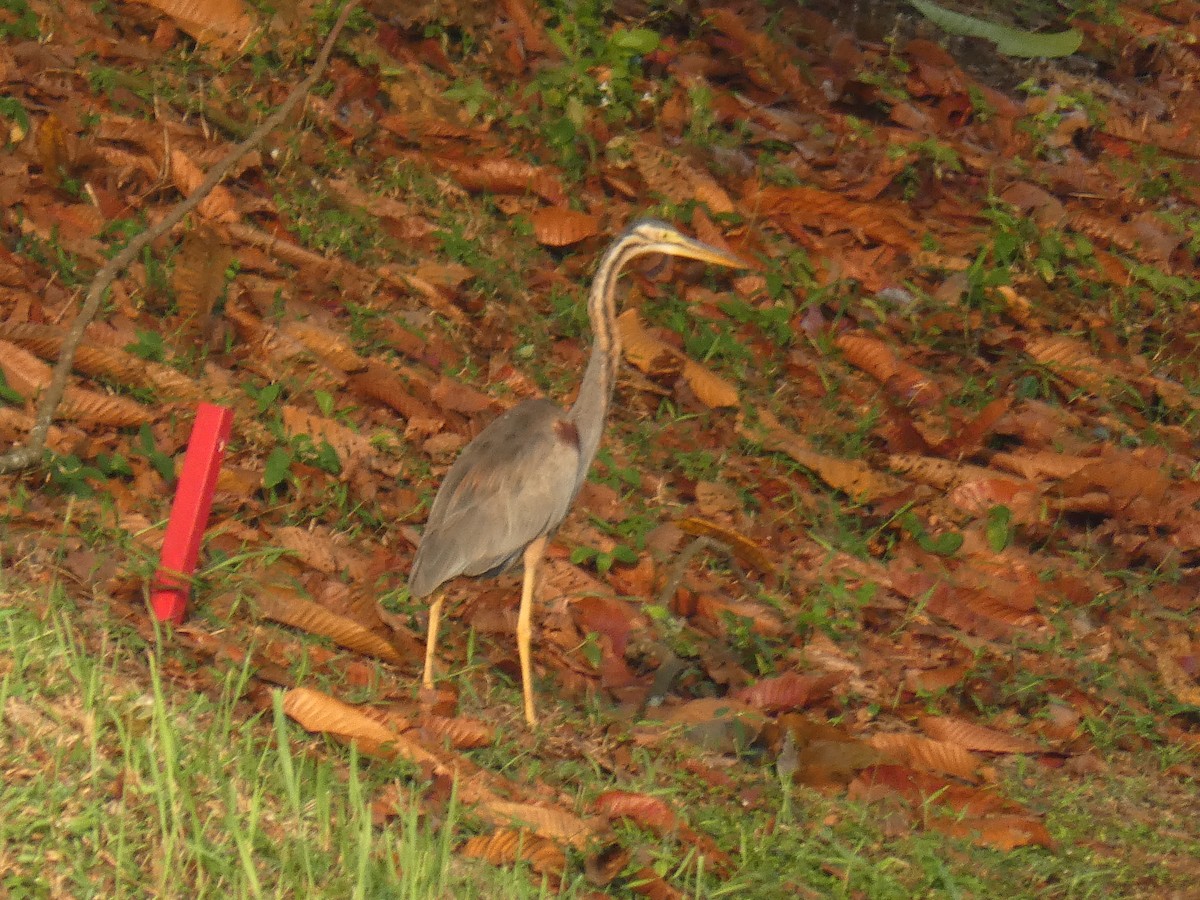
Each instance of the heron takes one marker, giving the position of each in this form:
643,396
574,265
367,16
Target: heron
512,486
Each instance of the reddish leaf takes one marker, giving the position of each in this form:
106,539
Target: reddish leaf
785,692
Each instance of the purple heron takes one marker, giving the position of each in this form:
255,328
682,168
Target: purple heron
513,485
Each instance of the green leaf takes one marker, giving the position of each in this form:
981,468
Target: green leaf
325,402
999,527
7,394
327,459
115,464
149,346
163,464
591,649
1009,41
11,108
279,466
943,545
635,40
624,554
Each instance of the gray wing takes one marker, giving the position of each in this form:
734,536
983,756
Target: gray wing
509,486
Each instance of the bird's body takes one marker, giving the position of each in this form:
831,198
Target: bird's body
526,459
513,485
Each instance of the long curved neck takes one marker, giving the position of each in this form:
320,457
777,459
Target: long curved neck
590,409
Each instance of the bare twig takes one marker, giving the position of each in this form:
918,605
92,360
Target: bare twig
24,457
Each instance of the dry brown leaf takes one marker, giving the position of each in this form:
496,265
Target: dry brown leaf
674,177
224,24
647,811
318,548
94,358
655,357
319,712
877,359
799,210
24,372
507,846
720,611
710,388
716,498
971,438
382,383
220,204
559,227
765,62
454,395
655,814
643,350
721,724
29,376
103,409
979,496
547,822
1041,464
291,609
783,693
333,347
975,737
459,733
316,711
1072,361
1001,832
930,756
55,150
1122,476
199,273
935,471
851,476
507,176
352,448
934,680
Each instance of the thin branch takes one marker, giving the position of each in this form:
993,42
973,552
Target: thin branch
24,457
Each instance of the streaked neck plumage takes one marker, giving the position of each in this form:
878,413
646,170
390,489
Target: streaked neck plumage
595,393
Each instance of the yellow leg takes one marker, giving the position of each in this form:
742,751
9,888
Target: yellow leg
435,612
533,556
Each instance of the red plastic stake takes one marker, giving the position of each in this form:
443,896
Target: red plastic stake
189,513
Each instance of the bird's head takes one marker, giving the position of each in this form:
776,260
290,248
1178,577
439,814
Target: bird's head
652,236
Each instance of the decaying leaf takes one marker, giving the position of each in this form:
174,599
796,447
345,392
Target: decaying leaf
653,356
876,358
786,692
975,737
720,724
674,177
320,549
1000,832
319,712
853,477
291,609
546,822
924,754
199,273
506,846
557,226
223,24
459,733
